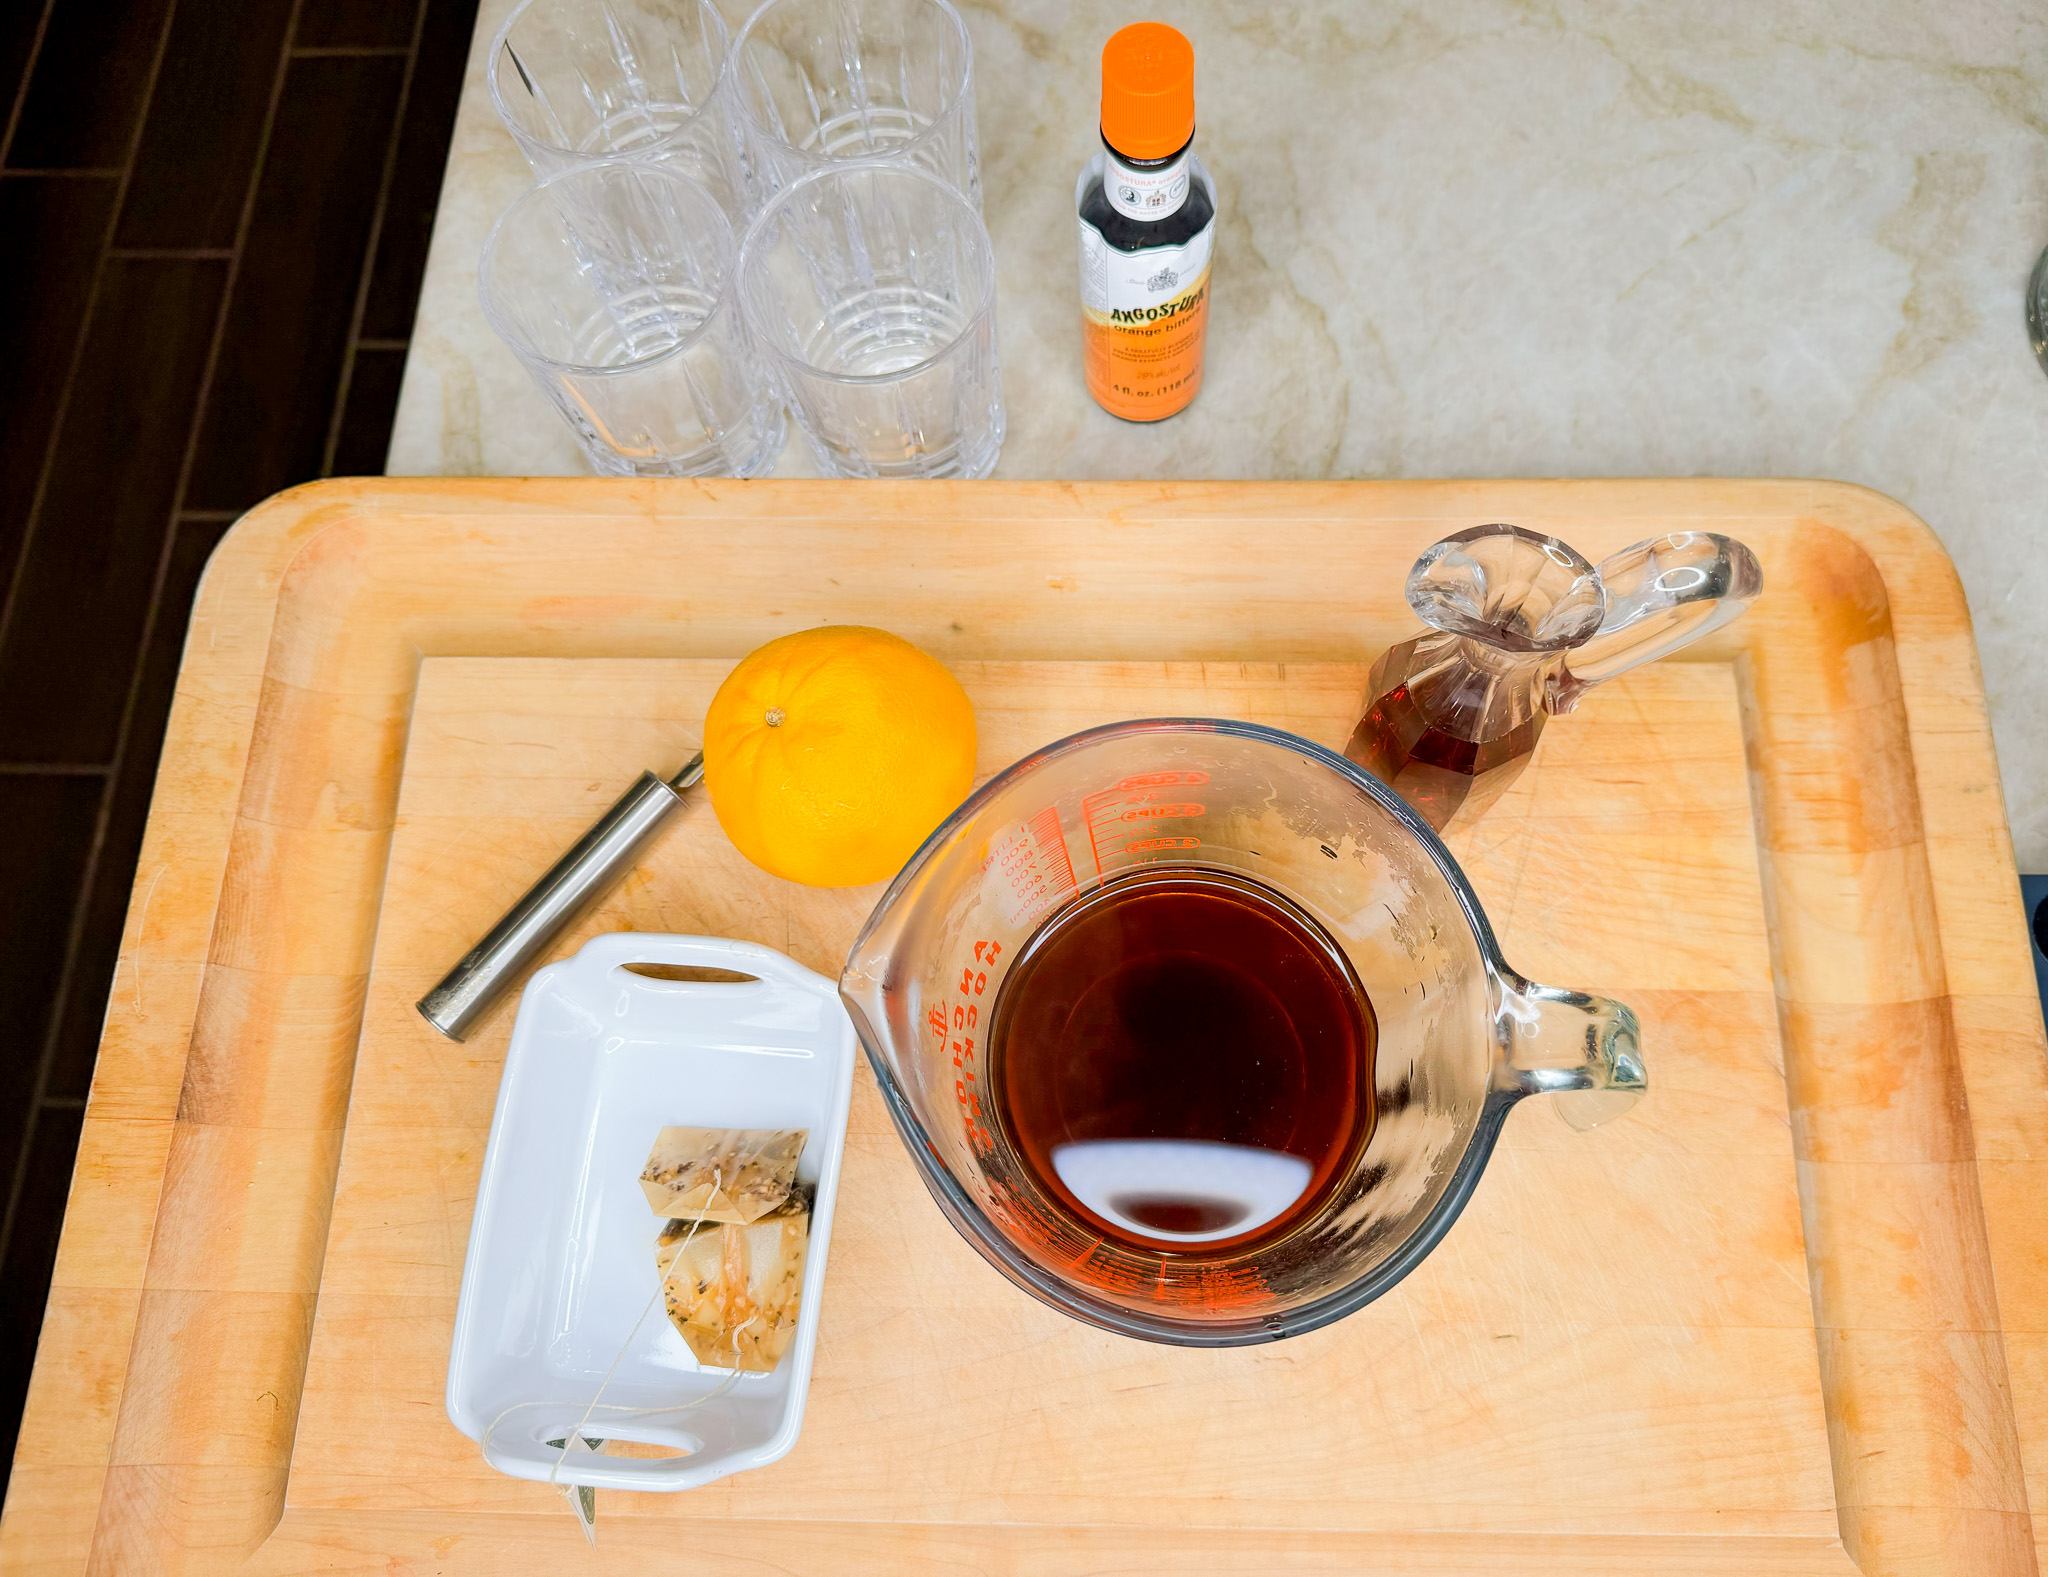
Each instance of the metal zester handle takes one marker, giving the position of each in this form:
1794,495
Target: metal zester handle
603,855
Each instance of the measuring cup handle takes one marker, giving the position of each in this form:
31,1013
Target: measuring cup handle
1583,1049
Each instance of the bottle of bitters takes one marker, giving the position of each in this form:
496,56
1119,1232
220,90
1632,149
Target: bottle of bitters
1148,217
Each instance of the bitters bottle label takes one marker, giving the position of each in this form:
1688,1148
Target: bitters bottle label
1143,318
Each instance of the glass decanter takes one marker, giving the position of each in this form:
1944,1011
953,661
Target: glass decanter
1521,627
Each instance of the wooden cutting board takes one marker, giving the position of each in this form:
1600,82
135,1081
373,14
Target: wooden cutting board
1788,1316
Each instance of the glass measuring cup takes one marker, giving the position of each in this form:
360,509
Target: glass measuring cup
1461,1036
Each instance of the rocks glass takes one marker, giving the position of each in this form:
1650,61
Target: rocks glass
820,82
579,80
613,284
871,289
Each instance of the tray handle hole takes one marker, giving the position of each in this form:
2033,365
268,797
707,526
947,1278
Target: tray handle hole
700,974
635,1450
645,1450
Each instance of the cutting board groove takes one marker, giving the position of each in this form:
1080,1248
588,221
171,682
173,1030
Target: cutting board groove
208,1266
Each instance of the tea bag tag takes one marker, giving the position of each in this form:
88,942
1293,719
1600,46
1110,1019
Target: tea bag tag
581,1497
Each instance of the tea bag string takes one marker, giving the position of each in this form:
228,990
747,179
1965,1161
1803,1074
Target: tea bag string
660,1281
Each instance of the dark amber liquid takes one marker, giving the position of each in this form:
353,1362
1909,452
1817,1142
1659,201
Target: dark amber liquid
1422,746
1435,771
1183,1004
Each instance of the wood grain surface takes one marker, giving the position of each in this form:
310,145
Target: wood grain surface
1790,1316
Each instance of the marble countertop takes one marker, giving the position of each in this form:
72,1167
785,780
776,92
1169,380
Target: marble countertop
1504,238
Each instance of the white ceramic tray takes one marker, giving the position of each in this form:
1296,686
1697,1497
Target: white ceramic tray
561,1248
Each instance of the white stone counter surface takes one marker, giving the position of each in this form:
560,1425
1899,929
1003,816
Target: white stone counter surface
1472,238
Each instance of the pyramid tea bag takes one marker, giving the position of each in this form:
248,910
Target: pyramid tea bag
733,1290
726,1175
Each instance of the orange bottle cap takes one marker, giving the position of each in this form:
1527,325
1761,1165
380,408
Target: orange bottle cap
1148,91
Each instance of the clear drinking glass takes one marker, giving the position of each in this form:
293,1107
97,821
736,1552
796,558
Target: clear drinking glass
577,80
822,81
1462,1037
612,283
872,288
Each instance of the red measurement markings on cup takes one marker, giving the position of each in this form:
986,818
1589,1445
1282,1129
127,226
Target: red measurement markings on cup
957,1031
1032,869
1193,1284
1134,816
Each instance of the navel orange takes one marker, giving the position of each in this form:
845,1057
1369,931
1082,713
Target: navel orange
831,754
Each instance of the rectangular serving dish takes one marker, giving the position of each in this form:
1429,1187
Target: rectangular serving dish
557,1330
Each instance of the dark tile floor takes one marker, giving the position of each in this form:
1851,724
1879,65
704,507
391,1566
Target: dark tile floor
2034,893
213,220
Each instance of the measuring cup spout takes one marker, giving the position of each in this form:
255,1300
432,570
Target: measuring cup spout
884,993
863,987
862,994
